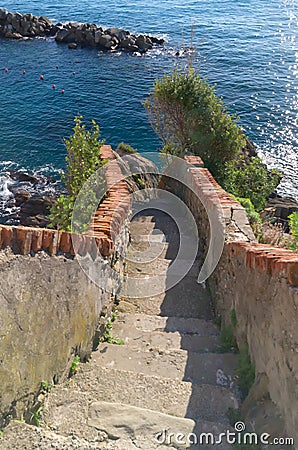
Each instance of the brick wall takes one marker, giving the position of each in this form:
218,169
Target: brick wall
104,229
260,283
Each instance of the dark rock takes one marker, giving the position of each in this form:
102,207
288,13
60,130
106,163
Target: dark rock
64,35
45,20
127,43
37,205
17,25
35,221
156,40
249,150
143,43
278,210
13,35
105,41
72,46
3,13
20,176
21,197
54,30
118,32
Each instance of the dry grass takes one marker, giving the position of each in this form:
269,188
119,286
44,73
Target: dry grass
274,234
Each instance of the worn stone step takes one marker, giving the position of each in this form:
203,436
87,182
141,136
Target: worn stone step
20,436
135,337
186,299
150,323
211,368
163,266
174,397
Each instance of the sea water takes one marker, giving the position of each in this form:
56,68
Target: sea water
248,48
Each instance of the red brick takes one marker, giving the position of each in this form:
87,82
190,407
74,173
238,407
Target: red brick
23,238
65,242
6,235
37,236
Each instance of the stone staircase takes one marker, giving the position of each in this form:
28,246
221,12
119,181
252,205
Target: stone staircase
168,375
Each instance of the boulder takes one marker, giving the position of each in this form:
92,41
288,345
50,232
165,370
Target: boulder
118,33
97,36
72,45
21,176
105,41
249,150
64,35
38,204
156,40
13,35
90,38
35,221
127,43
21,197
3,13
278,209
144,43
45,20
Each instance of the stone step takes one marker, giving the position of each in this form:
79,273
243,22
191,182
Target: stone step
150,323
20,436
200,368
134,337
163,266
147,250
186,299
174,397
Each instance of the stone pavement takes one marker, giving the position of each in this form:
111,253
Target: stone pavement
168,375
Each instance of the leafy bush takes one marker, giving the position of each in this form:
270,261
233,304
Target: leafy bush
250,179
82,160
126,148
188,116
293,223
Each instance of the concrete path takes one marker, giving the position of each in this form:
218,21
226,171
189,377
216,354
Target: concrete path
165,385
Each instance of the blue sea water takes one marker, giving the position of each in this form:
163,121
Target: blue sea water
248,48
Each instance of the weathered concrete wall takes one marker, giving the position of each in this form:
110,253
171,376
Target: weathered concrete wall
260,283
49,312
266,309
49,308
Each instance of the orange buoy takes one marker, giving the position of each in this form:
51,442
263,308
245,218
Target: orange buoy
6,70
41,77
53,86
62,92
24,72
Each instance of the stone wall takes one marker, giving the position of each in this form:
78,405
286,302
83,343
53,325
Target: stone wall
49,308
260,283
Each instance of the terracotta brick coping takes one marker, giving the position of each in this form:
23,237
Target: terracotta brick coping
264,258
106,225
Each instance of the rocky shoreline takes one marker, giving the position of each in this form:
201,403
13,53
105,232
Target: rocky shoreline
19,26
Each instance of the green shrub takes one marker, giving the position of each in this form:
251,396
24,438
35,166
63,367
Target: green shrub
293,223
74,366
82,160
188,116
126,148
250,179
